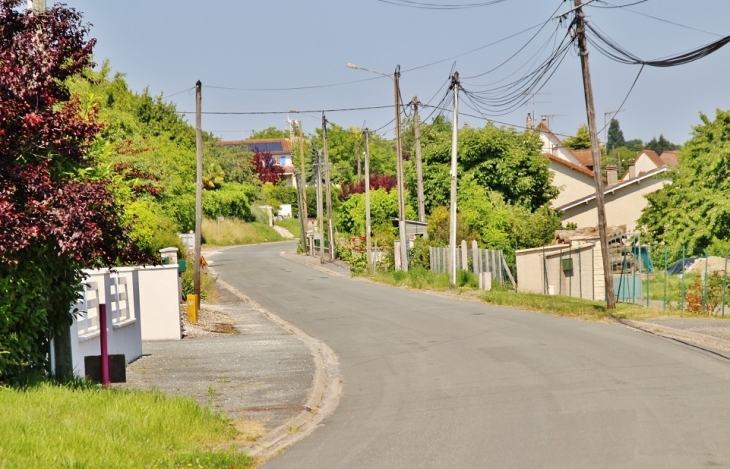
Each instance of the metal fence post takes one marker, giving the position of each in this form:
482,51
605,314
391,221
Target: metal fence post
704,283
666,277
724,284
580,273
681,308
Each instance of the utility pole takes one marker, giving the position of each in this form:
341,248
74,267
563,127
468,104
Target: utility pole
419,161
359,160
591,113
330,227
399,174
320,209
303,182
368,253
198,192
454,145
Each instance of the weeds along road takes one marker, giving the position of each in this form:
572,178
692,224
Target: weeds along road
434,382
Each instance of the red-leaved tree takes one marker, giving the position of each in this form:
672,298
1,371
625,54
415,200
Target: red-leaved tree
377,181
266,167
53,222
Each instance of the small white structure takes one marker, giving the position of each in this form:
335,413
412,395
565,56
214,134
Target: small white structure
142,303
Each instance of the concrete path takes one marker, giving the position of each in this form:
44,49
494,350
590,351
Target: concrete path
275,382
436,382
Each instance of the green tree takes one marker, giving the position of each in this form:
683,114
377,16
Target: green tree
615,136
581,140
269,132
660,145
499,159
694,210
634,145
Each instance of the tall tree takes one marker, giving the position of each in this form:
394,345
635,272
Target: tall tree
615,135
580,141
694,210
53,220
661,145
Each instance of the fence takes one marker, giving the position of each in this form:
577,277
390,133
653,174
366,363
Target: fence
475,260
691,284
643,274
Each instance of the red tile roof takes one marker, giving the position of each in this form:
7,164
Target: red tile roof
570,165
670,158
584,157
658,162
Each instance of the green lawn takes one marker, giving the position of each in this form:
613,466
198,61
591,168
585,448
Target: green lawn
292,225
56,426
231,232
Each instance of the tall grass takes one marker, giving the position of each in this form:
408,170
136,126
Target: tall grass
56,426
416,277
231,232
292,225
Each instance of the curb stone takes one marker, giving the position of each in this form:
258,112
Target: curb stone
322,399
696,338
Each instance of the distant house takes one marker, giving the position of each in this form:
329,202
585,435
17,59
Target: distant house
624,200
280,149
573,175
571,172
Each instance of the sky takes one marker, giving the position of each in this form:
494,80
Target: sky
257,47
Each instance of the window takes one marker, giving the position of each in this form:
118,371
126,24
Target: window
282,160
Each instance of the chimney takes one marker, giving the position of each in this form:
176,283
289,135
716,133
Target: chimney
543,120
611,175
529,121
632,169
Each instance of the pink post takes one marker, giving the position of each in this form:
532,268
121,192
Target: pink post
104,346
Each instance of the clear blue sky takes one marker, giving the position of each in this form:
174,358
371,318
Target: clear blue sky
167,45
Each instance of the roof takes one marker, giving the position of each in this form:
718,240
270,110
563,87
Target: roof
581,169
670,158
584,157
263,144
613,188
658,162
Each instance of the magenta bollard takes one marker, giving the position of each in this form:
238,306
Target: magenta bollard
104,346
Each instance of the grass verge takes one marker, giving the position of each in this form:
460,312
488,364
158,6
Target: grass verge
292,225
423,279
57,426
231,232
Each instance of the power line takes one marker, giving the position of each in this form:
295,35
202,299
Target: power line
440,6
289,111
624,7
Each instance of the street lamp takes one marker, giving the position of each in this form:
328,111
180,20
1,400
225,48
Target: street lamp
399,162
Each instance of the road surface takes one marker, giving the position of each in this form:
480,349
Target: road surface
433,382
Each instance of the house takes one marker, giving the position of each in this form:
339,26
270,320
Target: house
280,149
573,174
572,170
624,200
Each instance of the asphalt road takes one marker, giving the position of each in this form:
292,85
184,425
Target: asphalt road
434,382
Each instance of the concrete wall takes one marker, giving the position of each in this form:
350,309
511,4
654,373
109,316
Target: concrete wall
160,303
623,207
572,184
153,313
539,270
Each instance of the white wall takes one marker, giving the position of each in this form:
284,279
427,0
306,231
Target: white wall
572,183
152,300
160,303
623,207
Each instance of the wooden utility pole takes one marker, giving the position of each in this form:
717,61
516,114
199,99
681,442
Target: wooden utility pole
590,111
419,162
454,151
198,191
359,160
368,253
399,174
330,226
320,209
303,183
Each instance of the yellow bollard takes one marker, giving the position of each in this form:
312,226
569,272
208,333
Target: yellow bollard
193,309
